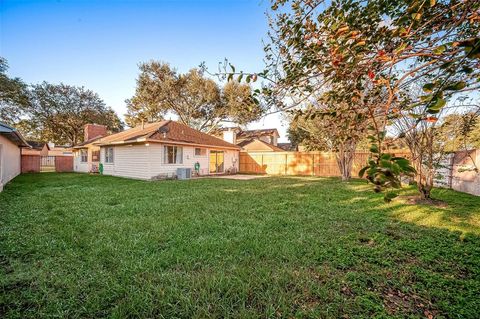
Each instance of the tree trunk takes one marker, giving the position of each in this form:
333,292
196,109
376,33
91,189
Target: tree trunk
344,157
424,177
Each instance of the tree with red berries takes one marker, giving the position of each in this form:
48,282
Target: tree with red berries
384,46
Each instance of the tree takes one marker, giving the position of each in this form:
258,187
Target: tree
196,100
384,44
59,112
331,125
13,96
460,131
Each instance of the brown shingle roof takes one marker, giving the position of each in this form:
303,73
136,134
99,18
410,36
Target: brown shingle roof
85,143
37,145
257,133
176,133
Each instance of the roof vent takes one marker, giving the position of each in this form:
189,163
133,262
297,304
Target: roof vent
164,130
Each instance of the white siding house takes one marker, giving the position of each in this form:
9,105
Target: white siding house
146,161
86,155
10,153
159,149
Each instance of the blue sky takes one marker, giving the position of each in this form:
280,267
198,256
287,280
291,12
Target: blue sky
98,44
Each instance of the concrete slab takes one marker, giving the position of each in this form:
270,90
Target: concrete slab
242,177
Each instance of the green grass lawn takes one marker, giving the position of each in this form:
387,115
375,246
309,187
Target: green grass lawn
80,246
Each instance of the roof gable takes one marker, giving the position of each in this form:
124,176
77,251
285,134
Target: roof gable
255,144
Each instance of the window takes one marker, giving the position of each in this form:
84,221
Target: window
95,156
173,155
200,151
83,156
109,155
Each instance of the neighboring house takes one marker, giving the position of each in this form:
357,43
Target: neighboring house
158,149
269,135
288,147
86,154
37,148
11,142
46,149
257,145
60,151
264,140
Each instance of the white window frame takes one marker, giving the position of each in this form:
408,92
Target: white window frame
176,156
109,158
201,149
82,153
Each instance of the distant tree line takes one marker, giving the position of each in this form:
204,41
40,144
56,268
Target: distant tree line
52,112
58,112
196,100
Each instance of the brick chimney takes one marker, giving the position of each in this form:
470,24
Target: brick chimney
94,130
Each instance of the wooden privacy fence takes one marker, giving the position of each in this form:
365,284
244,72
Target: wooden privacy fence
37,163
299,163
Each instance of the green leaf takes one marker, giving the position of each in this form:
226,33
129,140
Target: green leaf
385,163
233,68
427,88
374,148
362,171
460,85
438,104
401,47
386,157
416,15
467,70
440,49
426,98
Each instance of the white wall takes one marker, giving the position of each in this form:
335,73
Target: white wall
10,161
78,166
144,162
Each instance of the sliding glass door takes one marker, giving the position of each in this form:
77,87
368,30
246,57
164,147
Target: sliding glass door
216,162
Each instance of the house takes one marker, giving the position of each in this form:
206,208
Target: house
269,135
258,145
46,149
158,149
37,148
86,154
264,140
59,150
11,142
288,147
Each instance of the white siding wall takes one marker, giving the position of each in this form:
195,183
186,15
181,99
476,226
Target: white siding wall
78,166
144,162
10,164
231,159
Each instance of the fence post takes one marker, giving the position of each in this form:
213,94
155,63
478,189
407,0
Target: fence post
286,164
262,165
313,164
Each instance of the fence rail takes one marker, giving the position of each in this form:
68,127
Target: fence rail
299,163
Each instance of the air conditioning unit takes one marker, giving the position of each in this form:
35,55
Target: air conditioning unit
184,173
